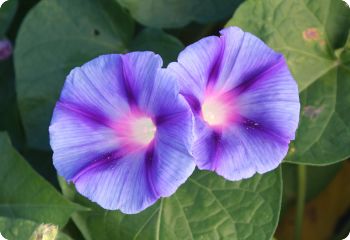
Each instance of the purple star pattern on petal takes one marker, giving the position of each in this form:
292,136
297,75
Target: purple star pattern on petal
122,133
245,102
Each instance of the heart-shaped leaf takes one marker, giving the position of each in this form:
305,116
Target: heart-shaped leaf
56,36
205,207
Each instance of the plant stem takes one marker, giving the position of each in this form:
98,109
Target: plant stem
300,201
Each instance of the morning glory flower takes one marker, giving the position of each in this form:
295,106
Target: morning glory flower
122,133
245,102
5,49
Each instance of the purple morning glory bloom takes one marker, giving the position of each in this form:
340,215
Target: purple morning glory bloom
245,102
5,49
122,133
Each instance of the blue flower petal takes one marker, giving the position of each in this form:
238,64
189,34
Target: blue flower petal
96,144
245,102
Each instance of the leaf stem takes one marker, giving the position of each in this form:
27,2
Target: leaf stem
300,201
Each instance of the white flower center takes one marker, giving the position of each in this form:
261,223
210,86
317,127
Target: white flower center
142,130
215,112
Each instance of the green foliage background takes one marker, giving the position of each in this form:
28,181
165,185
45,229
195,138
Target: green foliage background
51,37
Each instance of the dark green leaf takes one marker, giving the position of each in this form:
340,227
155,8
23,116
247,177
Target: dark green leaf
24,194
309,33
170,14
159,42
205,207
56,36
9,113
7,12
41,162
72,230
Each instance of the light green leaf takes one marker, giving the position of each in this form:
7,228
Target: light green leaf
171,14
26,195
309,33
20,229
159,42
56,36
205,207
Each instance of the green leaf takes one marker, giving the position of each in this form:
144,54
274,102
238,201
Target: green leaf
159,42
205,207
9,113
309,34
344,53
24,194
7,12
41,162
20,229
56,36
171,14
